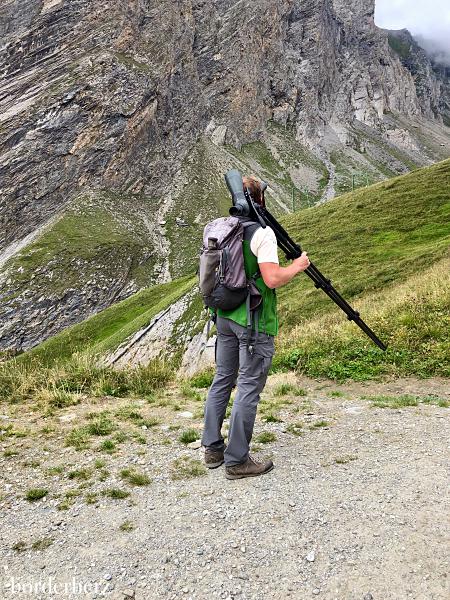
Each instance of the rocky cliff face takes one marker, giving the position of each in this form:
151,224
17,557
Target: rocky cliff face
431,79
113,95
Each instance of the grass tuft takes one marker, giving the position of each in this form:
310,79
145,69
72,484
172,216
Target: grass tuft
319,424
271,418
134,477
35,494
289,389
42,544
116,493
405,400
127,526
204,379
265,437
342,460
189,435
186,467
295,428
83,474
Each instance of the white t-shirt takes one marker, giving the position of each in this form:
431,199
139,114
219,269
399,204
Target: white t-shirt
264,245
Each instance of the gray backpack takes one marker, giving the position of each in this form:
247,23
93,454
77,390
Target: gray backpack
222,279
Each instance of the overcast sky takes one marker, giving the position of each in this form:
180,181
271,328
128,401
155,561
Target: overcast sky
429,18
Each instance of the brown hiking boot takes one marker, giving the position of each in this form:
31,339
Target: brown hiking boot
213,458
250,468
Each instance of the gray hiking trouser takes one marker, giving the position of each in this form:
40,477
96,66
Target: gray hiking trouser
235,363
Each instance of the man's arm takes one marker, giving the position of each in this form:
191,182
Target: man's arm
275,276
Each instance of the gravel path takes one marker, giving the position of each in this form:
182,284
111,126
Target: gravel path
357,506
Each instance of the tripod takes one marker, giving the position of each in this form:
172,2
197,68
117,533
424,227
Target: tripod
293,250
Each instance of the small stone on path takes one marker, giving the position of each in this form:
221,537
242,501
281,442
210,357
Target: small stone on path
195,445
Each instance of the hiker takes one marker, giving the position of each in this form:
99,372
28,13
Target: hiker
236,359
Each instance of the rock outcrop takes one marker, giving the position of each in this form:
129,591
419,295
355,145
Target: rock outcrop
431,79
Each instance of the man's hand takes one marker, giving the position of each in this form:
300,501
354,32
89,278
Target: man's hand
275,276
302,262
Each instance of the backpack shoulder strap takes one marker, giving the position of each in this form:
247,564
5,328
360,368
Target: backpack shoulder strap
249,229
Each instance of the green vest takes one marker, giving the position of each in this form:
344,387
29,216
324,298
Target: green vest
267,313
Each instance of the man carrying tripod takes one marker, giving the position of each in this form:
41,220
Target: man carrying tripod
237,359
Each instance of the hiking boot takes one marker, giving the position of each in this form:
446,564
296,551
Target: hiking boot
213,458
250,468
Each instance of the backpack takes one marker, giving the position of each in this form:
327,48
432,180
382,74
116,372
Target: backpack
222,279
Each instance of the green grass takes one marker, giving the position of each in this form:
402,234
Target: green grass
109,328
80,374
108,446
289,389
127,526
271,418
116,493
295,428
186,467
189,435
343,460
266,437
83,474
405,400
135,477
42,544
100,425
35,494
370,238
203,379
78,438
55,470
9,452
91,498
190,393
385,249
19,546
319,424
101,233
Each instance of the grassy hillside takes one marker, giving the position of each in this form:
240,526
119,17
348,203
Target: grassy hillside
100,236
412,317
109,328
370,238
386,250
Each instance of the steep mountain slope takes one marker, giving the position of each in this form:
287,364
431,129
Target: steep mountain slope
430,78
118,118
385,247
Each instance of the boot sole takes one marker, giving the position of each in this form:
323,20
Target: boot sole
214,465
227,476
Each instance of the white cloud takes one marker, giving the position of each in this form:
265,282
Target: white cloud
429,19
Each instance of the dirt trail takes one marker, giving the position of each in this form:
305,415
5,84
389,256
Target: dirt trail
357,507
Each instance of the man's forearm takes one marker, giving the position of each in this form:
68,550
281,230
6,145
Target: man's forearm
275,276
282,275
